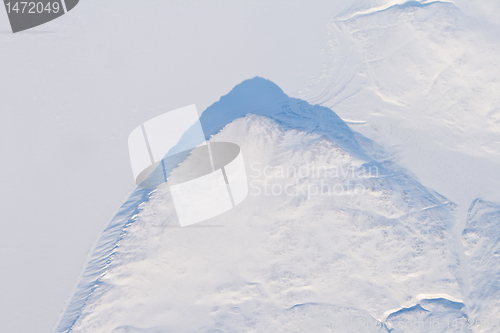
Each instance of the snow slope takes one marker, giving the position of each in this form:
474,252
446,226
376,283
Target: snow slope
421,79
414,92
377,255
481,239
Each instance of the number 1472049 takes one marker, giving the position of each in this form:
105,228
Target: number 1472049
32,7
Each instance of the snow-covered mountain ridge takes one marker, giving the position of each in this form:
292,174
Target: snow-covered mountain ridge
377,256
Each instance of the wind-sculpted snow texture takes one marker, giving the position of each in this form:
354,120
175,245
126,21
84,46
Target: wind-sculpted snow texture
427,65
347,243
421,79
481,239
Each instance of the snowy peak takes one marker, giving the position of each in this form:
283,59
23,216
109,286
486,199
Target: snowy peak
264,98
478,217
321,242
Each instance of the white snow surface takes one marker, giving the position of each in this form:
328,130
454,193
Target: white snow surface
418,78
416,84
481,239
421,79
346,262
